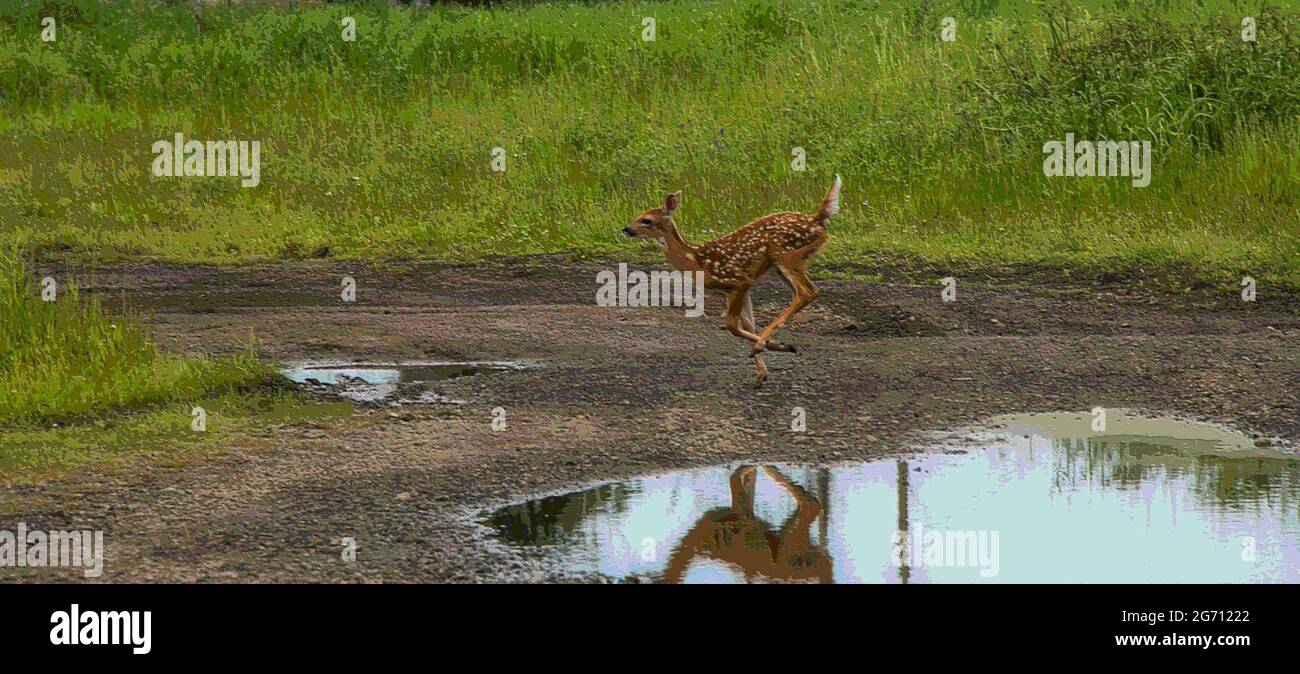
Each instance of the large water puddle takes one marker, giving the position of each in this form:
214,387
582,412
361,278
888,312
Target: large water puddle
1030,498
401,383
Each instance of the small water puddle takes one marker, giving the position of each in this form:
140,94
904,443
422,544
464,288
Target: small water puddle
1029,498
368,382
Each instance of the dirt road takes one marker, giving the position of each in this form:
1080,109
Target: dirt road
616,392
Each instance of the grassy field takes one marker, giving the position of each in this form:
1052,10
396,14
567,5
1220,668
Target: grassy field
78,385
382,147
66,358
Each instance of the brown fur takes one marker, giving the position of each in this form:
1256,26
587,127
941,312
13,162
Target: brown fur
737,261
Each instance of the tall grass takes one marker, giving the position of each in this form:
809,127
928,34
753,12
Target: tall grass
382,146
67,359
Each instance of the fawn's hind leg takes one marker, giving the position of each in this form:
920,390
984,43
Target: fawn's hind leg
747,315
804,293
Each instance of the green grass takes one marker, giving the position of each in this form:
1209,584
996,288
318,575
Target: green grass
160,435
79,386
66,358
382,147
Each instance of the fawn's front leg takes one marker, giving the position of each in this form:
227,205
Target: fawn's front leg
747,322
741,324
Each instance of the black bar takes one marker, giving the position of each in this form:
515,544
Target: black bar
331,624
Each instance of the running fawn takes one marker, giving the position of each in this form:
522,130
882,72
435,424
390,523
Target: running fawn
737,261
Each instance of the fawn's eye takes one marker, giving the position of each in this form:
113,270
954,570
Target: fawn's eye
647,221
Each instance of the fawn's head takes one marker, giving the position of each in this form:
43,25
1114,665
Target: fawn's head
654,222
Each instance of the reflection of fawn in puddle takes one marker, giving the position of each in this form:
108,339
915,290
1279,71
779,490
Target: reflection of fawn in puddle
738,537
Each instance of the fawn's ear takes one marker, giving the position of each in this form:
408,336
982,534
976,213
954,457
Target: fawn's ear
672,202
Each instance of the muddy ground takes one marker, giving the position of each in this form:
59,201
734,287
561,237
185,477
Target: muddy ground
616,392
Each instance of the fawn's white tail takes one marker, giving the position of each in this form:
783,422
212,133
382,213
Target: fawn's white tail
830,204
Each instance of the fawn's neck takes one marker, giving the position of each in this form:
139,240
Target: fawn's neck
680,252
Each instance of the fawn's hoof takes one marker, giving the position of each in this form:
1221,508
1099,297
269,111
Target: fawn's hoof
758,382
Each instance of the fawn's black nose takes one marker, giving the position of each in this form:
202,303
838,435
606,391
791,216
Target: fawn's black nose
628,231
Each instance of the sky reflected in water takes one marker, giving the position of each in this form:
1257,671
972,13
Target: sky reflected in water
1031,498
